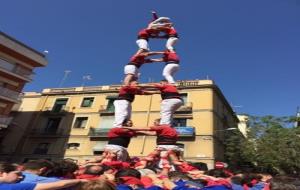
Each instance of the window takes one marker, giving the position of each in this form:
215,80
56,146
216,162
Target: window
80,122
52,125
59,104
179,122
73,145
106,122
110,104
41,148
184,98
87,102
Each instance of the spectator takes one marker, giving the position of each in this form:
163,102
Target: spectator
97,185
9,176
35,171
91,172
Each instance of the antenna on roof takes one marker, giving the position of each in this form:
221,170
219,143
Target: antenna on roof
86,78
67,72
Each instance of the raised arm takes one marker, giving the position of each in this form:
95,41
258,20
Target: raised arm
147,92
157,60
136,129
155,53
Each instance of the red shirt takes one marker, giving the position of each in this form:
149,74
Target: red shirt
139,59
166,135
128,92
117,164
164,130
120,136
171,57
87,176
147,33
166,88
168,91
120,132
171,32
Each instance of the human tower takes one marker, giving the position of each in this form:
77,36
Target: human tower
166,154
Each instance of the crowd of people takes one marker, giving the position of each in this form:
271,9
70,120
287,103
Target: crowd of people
117,175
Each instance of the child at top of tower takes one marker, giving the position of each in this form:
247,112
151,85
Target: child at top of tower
155,27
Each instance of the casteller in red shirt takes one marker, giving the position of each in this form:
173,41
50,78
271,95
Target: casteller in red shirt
168,91
166,135
170,32
171,57
129,92
147,33
120,136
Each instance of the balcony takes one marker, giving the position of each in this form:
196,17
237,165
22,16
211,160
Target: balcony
98,132
45,132
5,121
9,95
56,111
186,108
17,70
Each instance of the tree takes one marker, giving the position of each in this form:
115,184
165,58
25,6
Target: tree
273,145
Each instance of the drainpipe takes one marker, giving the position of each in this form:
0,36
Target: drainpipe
147,123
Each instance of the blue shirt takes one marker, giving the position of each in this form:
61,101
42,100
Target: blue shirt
33,178
17,186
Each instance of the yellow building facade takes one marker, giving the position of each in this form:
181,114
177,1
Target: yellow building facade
73,122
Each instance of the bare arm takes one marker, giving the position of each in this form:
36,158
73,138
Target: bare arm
151,92
136,129
155,53
58,185
94,160
147,132
157,60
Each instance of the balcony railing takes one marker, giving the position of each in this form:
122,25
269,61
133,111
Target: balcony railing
13,95
53,110
45,132
16,69
5,121
98,132
187,107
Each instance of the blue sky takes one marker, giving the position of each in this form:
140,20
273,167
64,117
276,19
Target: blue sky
251,49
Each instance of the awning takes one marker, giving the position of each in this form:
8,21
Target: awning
99,146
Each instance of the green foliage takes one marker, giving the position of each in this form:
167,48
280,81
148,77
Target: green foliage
272,144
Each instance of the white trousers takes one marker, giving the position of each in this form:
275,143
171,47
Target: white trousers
131,69
171,42
169,71
168,147
143,44
167,109
121,152
122,112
